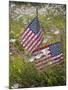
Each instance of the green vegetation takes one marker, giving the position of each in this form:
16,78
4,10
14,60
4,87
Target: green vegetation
26,74
23,72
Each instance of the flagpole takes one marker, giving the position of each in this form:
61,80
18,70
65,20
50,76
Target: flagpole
37,11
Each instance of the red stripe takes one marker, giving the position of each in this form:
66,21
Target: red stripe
30,44
28,41
35,42
46,61
24,36
40,41
38,61
57,60
39,51
33,39
49,66
48,57
27,36
43,65
55,63
25,33
37,45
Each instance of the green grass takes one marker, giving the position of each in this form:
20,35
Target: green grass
26,74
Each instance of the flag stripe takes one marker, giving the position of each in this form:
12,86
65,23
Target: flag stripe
29,42
26,38
47,57
38,44
29,39
55,63
45,60
32,41
35,42
50,65
42,58
25,33
41,51
49,60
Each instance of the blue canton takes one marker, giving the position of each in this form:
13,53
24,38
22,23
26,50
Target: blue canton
35,25
55,49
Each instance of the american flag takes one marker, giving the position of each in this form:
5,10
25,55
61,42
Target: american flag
32,36
48,56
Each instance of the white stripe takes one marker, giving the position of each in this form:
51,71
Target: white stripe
42,65
31,42
25,32
57,56
48,60
37,45
42,58
24,37
29,39
33,39
27,36
35,42
57,63
33,46
57,60
52,58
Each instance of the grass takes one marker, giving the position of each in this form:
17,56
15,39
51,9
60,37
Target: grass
26,74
